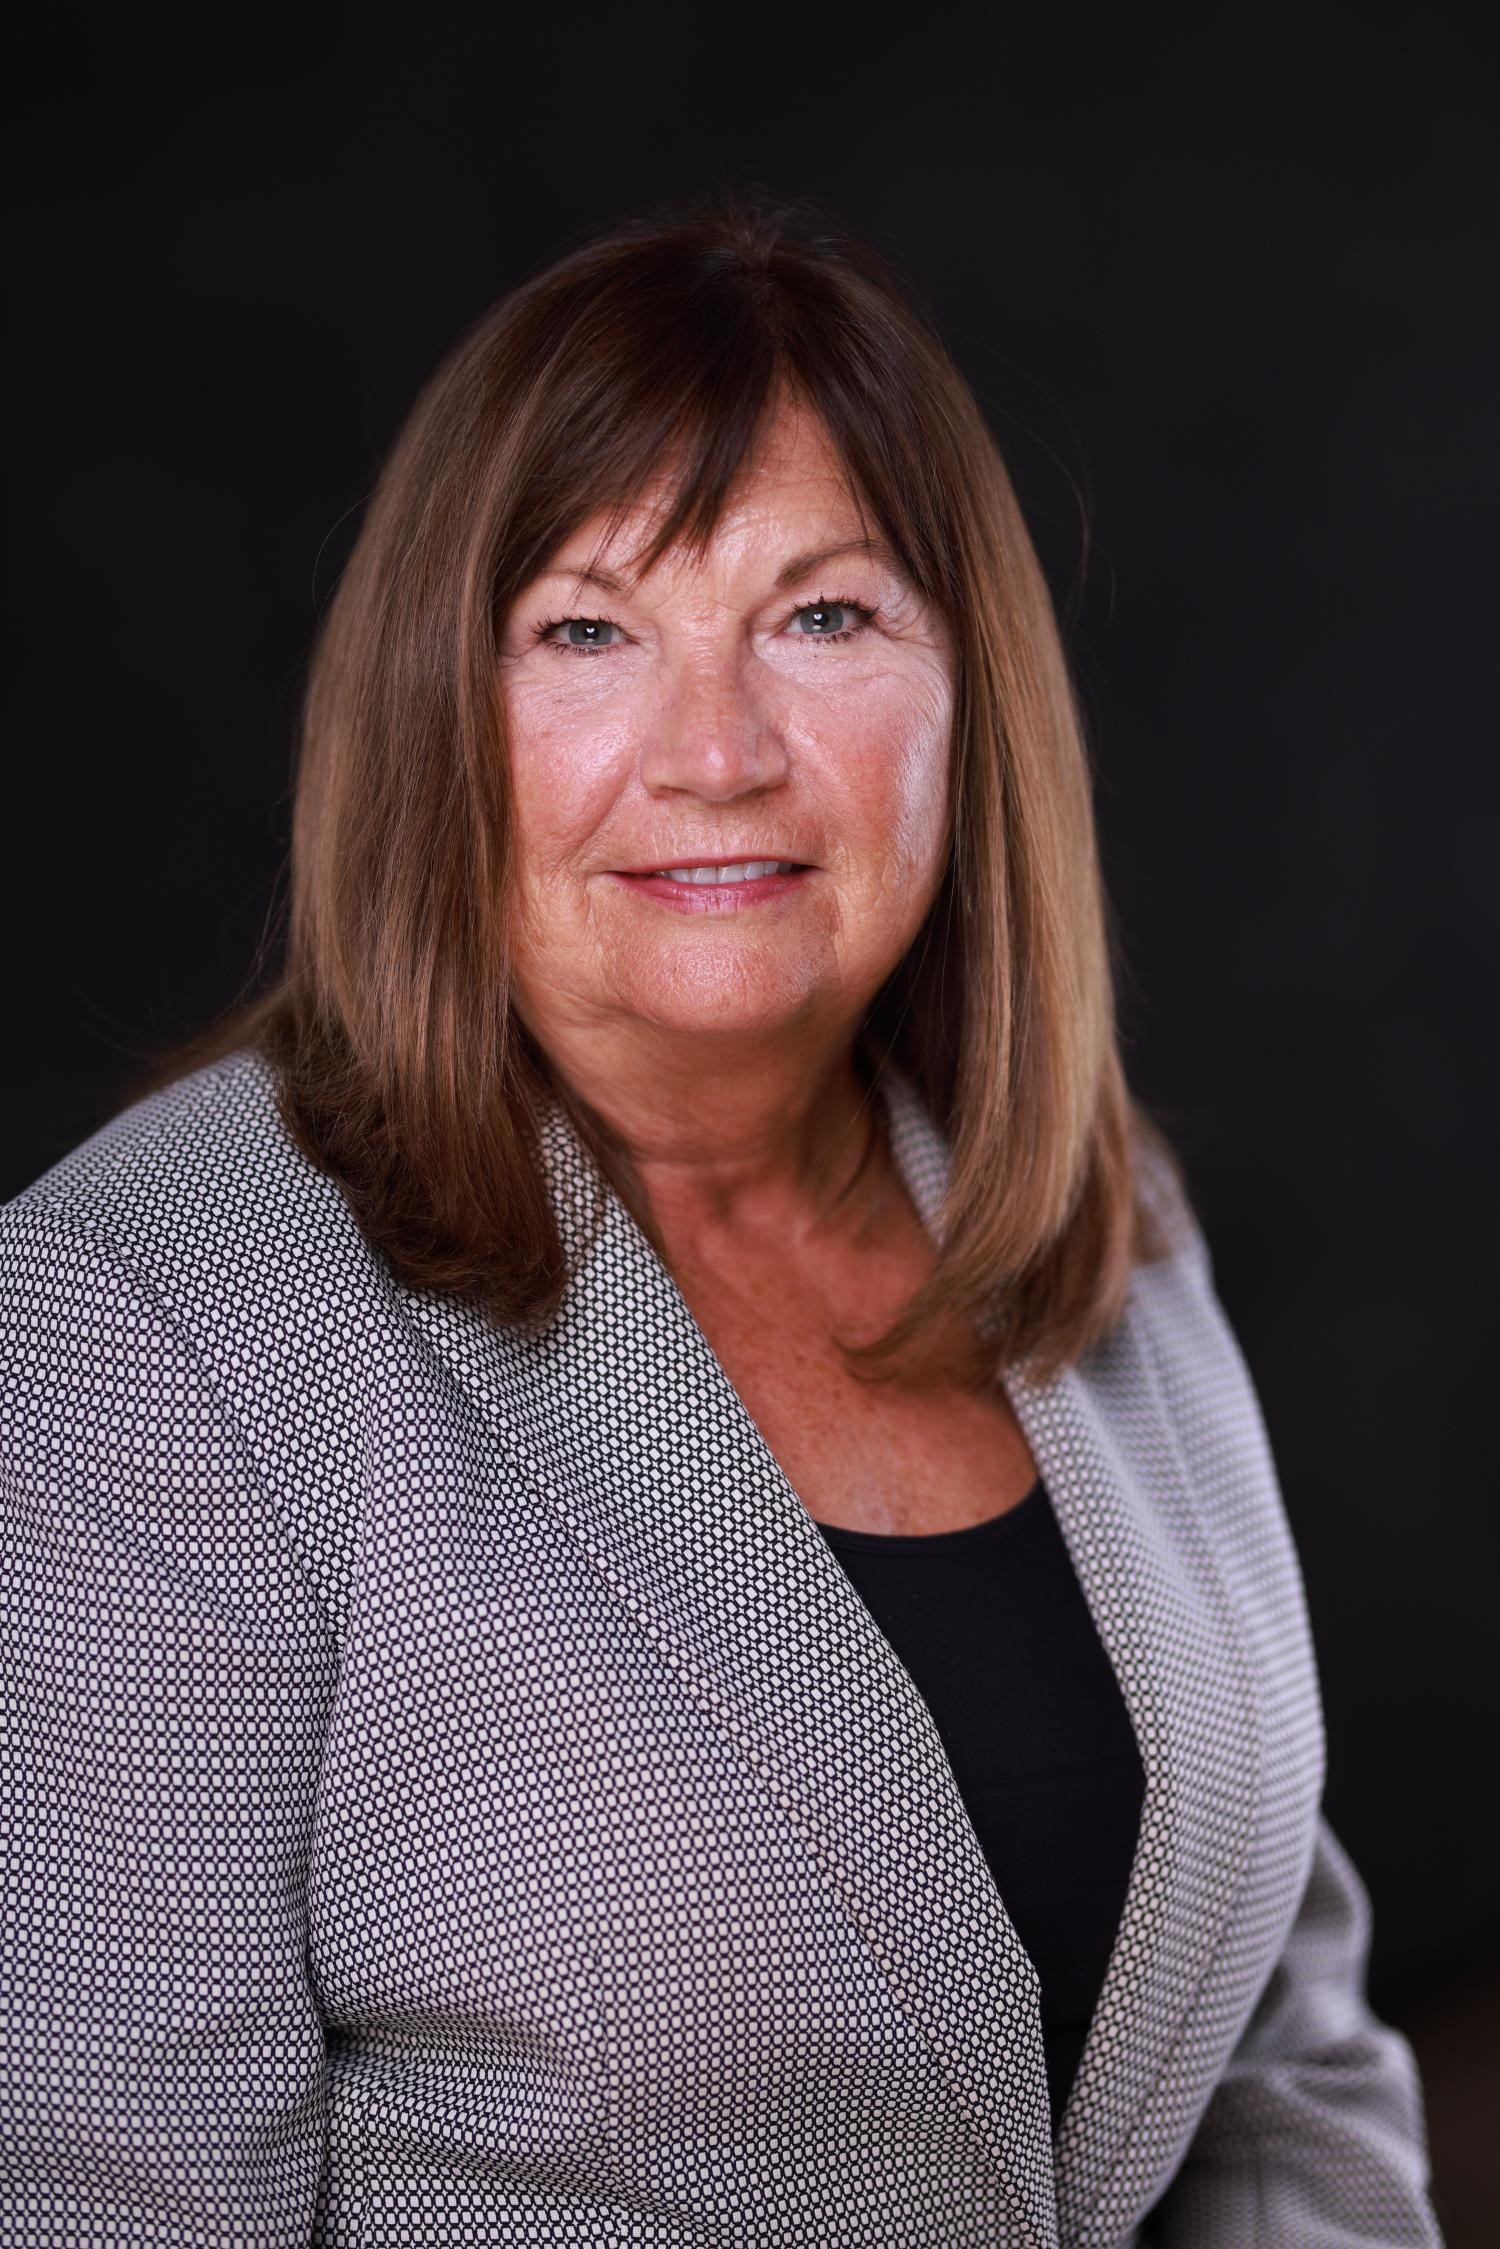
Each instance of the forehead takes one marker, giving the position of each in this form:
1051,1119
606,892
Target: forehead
792,490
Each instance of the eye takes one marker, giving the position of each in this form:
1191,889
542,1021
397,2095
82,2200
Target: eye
585,635
834,620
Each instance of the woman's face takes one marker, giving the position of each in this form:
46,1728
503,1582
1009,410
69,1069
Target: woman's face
789,699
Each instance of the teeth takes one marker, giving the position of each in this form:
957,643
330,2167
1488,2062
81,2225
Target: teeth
745,872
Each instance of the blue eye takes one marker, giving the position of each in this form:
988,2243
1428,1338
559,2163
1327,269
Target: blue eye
832,619
584,635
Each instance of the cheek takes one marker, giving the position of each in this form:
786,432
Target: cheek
920,765
882,748
567,768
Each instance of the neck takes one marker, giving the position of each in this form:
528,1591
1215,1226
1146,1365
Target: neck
793,1150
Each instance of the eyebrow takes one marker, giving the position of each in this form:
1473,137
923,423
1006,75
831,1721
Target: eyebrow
801,564
786,576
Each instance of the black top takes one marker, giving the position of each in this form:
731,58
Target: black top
993,1628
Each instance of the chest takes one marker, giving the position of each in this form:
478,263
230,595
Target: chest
903,1456
635,1842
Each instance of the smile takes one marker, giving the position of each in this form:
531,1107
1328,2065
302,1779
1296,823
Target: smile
715,889
748,870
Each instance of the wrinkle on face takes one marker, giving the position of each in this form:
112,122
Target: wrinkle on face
707,729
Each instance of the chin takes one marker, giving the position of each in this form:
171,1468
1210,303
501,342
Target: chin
727,997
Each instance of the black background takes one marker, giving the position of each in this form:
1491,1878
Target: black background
1224,284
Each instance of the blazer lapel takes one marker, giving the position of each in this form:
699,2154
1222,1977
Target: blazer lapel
1127,1515
1104,1441
630,1426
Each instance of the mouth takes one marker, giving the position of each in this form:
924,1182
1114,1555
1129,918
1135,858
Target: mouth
719,870
717,885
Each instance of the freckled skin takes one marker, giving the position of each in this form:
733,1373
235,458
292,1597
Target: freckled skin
714,722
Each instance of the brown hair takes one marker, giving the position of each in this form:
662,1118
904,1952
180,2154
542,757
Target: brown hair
402,1070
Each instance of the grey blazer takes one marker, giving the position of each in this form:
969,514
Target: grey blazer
453,1795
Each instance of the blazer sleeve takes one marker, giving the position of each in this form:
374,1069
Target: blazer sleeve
165,1676
1315,2132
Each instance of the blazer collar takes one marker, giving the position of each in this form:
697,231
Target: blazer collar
628,1423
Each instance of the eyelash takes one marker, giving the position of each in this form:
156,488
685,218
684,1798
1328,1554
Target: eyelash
865,615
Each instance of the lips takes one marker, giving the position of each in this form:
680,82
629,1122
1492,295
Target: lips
738,859
712,897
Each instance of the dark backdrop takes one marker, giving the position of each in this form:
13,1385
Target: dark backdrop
1224,285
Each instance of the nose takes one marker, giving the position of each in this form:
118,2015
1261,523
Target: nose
711,734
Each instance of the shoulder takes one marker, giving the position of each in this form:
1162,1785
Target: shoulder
166,1389
207,1155
196,1204
187,1278
1201,1376
1174,1299
199,1187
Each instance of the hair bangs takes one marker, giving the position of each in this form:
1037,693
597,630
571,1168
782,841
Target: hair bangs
675,410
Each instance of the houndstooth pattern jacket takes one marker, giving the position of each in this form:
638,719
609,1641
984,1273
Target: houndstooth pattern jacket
453,1796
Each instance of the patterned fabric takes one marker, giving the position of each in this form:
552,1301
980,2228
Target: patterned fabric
454,1796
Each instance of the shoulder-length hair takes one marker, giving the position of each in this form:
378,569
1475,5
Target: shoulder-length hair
402,1070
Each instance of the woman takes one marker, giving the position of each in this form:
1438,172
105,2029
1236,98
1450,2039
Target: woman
647,1598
